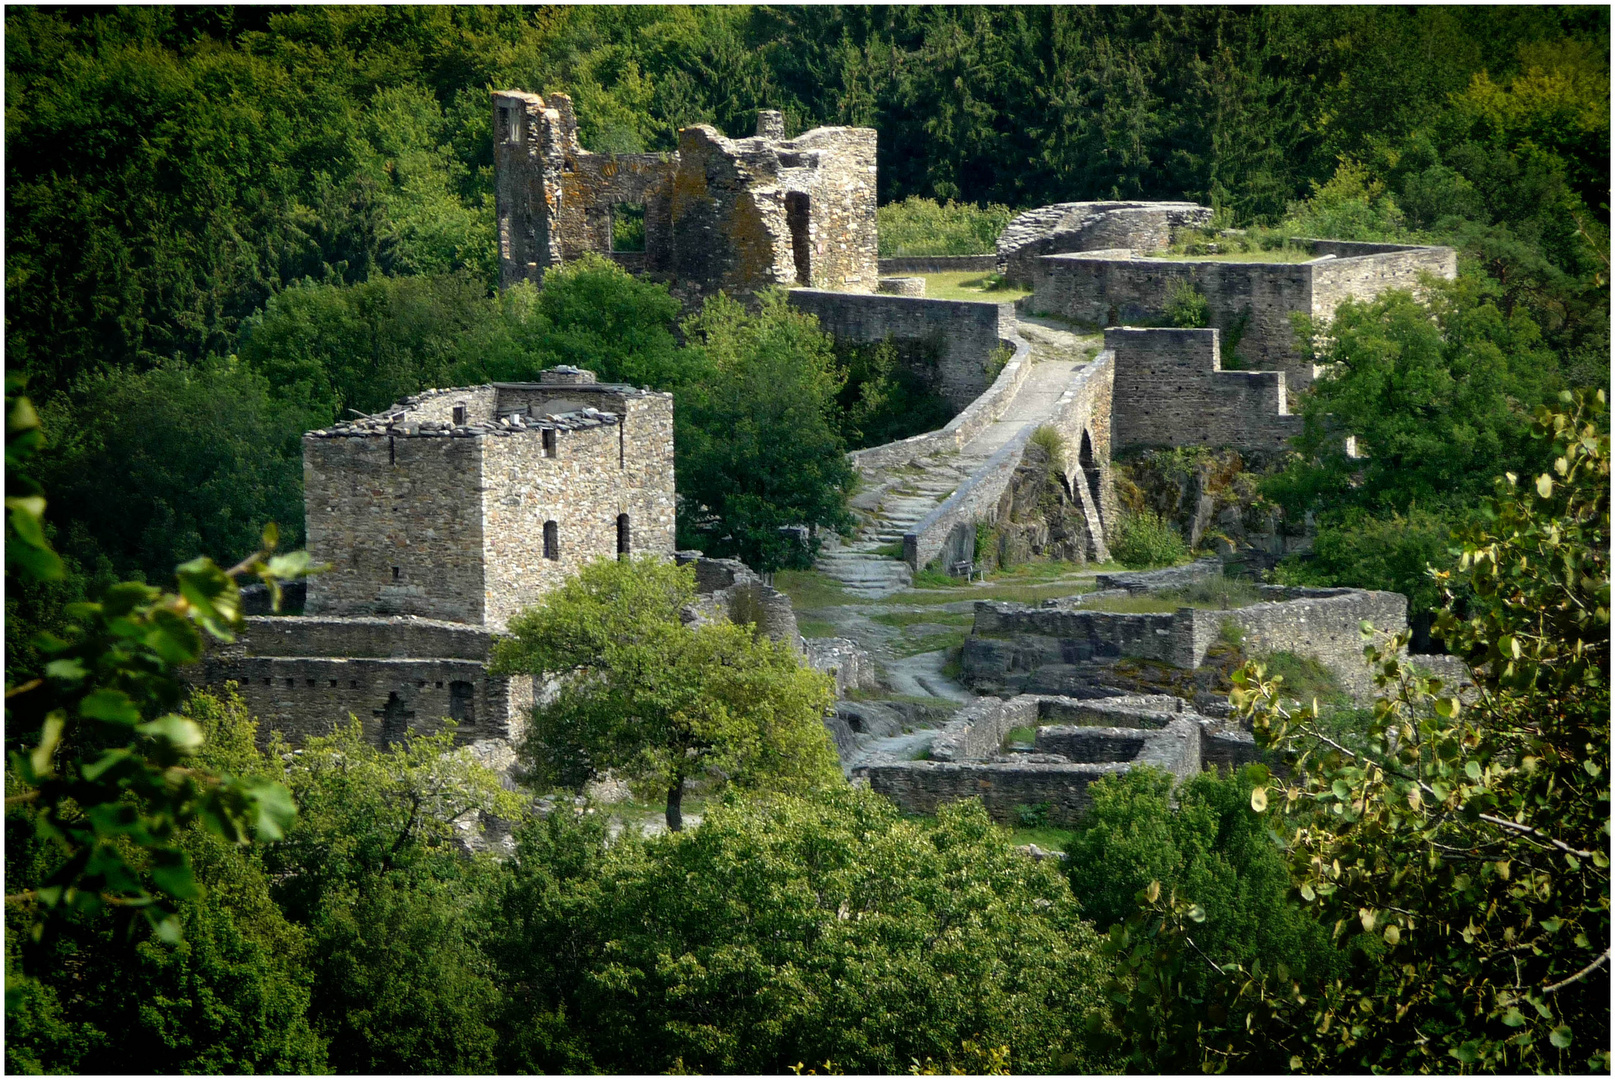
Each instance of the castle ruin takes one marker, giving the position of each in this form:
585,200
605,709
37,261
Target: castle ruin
736,215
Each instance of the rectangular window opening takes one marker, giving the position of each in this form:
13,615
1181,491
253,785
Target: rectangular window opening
628,227
549,442
552,540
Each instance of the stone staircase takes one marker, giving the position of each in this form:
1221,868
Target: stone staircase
870,565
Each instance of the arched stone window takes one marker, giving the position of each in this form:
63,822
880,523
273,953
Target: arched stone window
624,536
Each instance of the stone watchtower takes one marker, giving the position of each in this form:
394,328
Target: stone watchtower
732,214
440,519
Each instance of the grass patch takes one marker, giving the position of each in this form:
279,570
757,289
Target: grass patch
927,578
811,589
1215,594
1047,837
971,285
893,550
1015,593
816,628
923,643
914,618
1027,735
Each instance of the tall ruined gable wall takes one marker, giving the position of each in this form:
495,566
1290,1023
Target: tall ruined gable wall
1170,390
376,502
841,193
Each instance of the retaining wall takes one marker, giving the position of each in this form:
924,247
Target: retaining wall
937,264
1084,407
963,333
1171,390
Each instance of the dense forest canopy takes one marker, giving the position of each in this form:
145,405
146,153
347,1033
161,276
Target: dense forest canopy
226,226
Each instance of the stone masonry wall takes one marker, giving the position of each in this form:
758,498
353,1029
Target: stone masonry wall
1090,226
1114,292
300,696
1363,274
399,522
963,333
1170,390
936,264
1326,628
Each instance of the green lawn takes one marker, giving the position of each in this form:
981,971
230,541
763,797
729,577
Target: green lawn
968,285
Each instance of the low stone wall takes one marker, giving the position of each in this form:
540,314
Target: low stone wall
1013,646
1171,390
966,763
394,637
1083,417
963,333
1091,226
901,286
1083,409
300,696
937,264
923,787
844,661
953,435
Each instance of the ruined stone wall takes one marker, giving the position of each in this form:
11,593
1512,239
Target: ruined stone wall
399,521
1259,297
937,264
524,154
1090,226
1115,292
300,696
1170,390
1326,628
962,333
924,787
834,167
1359,274
1014,648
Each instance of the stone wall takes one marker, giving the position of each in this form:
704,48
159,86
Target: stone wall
736,215
1090,226
937,264
1082,416
1171,390
961,334
1013,647
953,435
304,675
1115,292
1255,299
1102,738
1363,271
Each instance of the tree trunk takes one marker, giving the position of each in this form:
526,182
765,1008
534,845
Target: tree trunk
675,815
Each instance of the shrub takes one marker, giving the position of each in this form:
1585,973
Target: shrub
919,226
1146,539
1186,306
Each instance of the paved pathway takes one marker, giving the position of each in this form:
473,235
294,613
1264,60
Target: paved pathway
870,565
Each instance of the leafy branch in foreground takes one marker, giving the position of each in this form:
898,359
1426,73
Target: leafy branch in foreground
1460,853
99,755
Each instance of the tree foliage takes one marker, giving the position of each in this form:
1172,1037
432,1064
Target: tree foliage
791,930
1461,854
658,701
